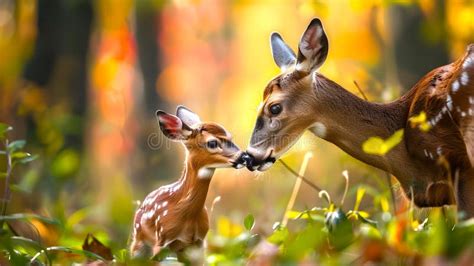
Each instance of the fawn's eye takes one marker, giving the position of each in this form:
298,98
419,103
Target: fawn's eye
212,144
275,109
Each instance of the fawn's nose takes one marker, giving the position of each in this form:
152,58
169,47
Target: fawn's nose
241,161
244,159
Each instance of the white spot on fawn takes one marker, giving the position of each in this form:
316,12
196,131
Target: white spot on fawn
439,150
467,62
455,86
464,78
449,102
165,213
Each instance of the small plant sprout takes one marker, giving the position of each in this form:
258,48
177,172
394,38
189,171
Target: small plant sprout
324,194
345,174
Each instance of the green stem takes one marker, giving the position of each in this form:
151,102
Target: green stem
6,193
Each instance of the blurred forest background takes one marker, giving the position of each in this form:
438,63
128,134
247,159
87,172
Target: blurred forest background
81,80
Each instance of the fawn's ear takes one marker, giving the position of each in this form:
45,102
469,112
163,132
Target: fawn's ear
172,127
313,47
282,54
187,116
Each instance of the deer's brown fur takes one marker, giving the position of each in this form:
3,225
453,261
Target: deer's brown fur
428,164
174,215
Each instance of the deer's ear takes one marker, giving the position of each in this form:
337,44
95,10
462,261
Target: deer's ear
282,54
172,127
187,116
313,47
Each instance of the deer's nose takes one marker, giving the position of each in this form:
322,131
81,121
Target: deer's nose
244,159
249,161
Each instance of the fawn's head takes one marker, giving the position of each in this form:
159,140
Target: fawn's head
208,144
288,98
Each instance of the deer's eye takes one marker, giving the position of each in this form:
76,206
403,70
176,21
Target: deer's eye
275,109
212,144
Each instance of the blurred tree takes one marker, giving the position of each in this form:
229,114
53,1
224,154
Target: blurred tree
419,39
57,71
148,25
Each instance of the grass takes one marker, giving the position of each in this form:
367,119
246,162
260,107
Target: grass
325,234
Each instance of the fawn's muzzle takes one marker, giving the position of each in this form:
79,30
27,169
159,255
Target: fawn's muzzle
242,160
253,164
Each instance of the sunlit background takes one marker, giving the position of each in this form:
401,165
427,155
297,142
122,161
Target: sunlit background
81,81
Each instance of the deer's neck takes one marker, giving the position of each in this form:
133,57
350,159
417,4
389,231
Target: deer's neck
348,121
193,188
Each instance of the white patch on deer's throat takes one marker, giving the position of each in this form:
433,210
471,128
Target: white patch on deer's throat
205,172
464,78
319,129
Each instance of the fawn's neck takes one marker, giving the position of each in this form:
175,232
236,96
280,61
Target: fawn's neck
349,121
194,185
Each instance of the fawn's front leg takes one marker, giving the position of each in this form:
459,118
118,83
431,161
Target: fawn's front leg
465,192
192,255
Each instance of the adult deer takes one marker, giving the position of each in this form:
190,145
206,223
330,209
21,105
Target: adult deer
426,163
174,216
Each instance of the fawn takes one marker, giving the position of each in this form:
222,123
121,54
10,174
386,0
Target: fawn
434,164
174,215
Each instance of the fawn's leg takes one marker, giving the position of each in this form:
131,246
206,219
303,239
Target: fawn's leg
137,247
156,249
192,255
466,193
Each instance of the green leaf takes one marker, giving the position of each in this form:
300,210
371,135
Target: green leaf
340,229
305,241
4,128
28,159
16,145
28,216
31,243
84,253
66,163
164,252
378,146
279,235
122,256
249,222
23,157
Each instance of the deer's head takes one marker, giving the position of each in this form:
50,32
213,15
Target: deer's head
288,97
208,145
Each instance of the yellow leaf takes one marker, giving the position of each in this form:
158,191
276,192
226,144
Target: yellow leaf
420,122
378,146
384,204
226,228
360,195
